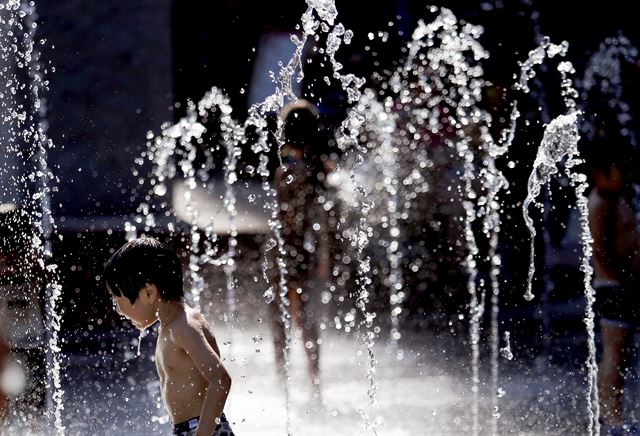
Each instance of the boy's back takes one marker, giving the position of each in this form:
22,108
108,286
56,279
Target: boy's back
182,384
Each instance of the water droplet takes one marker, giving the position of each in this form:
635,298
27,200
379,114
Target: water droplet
160,189
269,295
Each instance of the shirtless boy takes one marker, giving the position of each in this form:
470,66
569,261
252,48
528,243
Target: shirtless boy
144,279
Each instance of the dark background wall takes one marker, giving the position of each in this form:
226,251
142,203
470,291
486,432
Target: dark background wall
112,83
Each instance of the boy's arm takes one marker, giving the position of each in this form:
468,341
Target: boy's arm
204,357
600,216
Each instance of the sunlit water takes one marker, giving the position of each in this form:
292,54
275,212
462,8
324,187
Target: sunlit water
23,128
427,392
421,381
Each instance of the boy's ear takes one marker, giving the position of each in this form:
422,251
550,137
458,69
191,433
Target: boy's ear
149,292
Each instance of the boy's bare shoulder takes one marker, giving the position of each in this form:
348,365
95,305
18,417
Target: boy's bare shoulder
191,331
187,323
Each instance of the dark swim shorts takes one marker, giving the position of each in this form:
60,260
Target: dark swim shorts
188,428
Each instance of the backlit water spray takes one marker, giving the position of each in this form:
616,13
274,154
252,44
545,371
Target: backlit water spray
560,146
23,117
320,17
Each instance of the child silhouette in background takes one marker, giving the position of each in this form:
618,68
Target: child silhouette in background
616,260
300,188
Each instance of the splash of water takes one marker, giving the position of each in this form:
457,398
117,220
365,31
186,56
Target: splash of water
388,153
319,17
231,137
275,225
494,181
560,144
346,139
143,333
439,91
359,239
453,89
506,351
174,152
24,113
216,103
527,72
186,164
604,75
381,124
28,125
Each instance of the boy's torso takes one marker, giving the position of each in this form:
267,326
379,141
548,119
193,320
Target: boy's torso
183,386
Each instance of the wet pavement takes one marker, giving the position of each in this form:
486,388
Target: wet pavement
426,392
109,390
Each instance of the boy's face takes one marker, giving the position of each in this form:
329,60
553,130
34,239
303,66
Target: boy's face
142,313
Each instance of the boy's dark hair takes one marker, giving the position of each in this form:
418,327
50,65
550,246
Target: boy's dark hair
301,124
141,261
